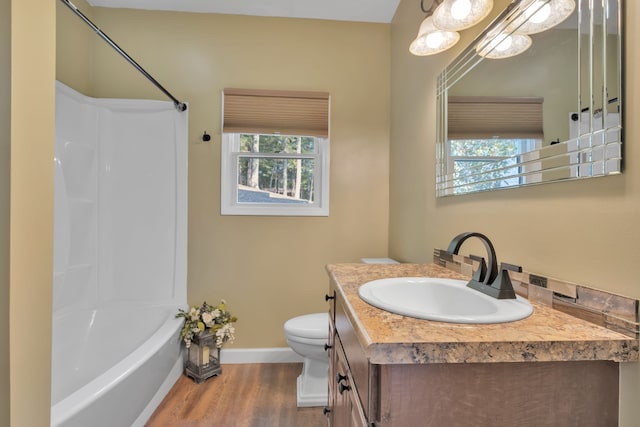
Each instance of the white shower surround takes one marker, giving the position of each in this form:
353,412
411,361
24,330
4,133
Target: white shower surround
120,233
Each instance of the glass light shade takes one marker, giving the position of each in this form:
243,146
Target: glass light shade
503,45
456,15
541,15
431,40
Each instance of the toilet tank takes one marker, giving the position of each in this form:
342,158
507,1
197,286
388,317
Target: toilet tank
379,261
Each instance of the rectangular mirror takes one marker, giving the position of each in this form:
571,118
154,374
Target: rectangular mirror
535,98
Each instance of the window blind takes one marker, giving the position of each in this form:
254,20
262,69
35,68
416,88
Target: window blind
487,117
274,111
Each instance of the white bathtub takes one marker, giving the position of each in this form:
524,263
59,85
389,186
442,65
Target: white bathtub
99,356
120,258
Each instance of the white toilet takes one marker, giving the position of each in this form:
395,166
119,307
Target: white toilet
307,335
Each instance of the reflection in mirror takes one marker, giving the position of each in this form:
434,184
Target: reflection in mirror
529,102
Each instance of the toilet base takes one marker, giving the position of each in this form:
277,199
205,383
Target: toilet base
313,383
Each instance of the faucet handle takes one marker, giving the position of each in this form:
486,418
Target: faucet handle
510,267
481,273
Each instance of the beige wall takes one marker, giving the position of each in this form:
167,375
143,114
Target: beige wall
584,231
75,42
5,164
267,268
32,134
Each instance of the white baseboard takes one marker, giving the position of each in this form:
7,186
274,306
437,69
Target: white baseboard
259,355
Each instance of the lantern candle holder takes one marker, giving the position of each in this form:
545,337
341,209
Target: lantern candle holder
206,328
203,359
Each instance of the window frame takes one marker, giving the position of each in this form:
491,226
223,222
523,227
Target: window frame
230,155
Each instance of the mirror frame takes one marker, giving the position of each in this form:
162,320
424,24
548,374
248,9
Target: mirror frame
593,153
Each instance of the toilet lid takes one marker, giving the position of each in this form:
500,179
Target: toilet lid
314,325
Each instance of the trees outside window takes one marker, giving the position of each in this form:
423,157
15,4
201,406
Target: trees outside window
272,174
485,164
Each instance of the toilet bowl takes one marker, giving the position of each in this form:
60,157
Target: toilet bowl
307,335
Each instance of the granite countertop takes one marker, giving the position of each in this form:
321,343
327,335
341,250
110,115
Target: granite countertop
547,335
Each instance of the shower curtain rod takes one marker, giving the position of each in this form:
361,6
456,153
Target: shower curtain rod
180,106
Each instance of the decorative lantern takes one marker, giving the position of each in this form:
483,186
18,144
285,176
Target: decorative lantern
203,358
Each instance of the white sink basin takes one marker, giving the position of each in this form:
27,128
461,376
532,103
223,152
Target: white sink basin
444,300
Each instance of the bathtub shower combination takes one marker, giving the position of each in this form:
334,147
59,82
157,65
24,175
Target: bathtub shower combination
119,257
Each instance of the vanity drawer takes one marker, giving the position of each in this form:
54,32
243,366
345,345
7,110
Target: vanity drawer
330,298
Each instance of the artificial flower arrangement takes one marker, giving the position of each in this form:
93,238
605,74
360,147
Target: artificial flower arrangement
208,319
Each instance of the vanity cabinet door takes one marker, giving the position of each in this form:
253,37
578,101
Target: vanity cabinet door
347,408
340,407
363,373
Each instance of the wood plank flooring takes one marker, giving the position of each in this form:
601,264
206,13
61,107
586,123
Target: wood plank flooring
247,395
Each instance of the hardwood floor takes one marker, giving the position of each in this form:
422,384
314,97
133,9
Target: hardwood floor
252,395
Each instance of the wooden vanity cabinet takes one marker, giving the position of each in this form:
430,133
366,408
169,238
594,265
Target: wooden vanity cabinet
576,393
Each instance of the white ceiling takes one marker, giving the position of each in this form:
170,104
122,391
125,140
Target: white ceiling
340,10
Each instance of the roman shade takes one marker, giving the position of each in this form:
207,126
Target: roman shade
275,111
472,117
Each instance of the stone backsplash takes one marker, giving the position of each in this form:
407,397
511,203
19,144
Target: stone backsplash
615,312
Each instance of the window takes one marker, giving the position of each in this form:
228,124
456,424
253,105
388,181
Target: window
275,153
487,137
485,164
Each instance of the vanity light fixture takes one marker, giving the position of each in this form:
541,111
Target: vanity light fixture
439,30
541,15
456,15
503,45
431,40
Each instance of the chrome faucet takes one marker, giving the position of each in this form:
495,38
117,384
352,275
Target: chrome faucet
490,280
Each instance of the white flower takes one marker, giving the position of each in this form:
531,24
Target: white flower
224,334
231,332
215,313
207,318
219,340
194,314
